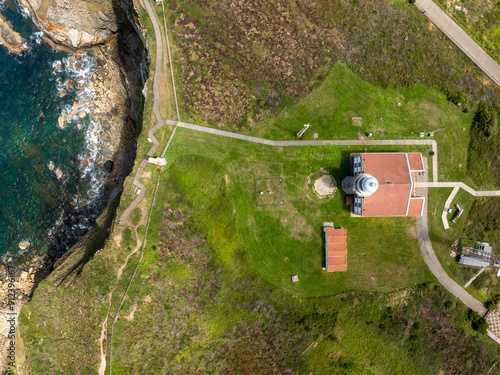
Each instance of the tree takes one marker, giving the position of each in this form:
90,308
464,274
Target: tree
492,304
478,322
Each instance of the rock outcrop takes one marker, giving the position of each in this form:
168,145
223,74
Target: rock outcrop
22,278
76,25
73,25
11,38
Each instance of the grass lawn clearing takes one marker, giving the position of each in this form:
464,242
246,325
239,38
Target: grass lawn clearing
285,240
343,95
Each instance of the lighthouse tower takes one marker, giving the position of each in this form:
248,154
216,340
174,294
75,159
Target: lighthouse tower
362,185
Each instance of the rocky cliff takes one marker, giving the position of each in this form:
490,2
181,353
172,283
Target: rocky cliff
11,38
121,66
74,24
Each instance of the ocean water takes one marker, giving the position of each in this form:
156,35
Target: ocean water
35,205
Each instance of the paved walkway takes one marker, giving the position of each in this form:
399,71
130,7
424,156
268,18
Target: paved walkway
456,186
447,204
460,185
159,119
458,36
357,142
422,221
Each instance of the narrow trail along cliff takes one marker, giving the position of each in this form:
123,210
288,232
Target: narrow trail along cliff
104,330
120,65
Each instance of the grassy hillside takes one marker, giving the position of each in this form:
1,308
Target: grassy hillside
241,63
189,310
285,240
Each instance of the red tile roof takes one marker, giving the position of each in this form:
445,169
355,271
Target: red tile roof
336,249
416,162
416,205
394,173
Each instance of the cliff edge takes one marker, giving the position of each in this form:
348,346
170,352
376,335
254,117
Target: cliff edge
121,66
74,25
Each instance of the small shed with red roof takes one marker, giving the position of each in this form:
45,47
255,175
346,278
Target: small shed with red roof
335,249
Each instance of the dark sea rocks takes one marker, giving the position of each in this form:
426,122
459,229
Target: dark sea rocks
108,166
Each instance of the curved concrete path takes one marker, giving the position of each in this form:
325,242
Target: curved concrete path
355,142
460,185
462,40
438,271
447,204
422,221
159,119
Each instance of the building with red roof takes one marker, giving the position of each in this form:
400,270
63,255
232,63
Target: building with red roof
335,249
382,184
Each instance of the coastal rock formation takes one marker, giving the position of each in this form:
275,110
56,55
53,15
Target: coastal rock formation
23,245
113,110
74,25
24,277
11,38
121,66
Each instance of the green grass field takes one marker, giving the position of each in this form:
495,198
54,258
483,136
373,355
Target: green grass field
285,240
344,95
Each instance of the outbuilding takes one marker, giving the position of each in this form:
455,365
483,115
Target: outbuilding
335,249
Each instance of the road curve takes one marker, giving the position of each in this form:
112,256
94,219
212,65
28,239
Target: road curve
436,268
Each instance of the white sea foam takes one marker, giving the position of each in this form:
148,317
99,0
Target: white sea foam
37,37
24,11
81,71
92,175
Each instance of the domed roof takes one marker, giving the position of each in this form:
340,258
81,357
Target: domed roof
366,185
370,184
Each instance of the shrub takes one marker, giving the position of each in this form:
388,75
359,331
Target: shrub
478,322
416,328
320,323
457,98
492,304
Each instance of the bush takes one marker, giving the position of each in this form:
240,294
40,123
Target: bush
478,322
457,98
416,328
320,323
492,304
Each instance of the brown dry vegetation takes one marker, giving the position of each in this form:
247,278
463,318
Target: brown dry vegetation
245,59
241,62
